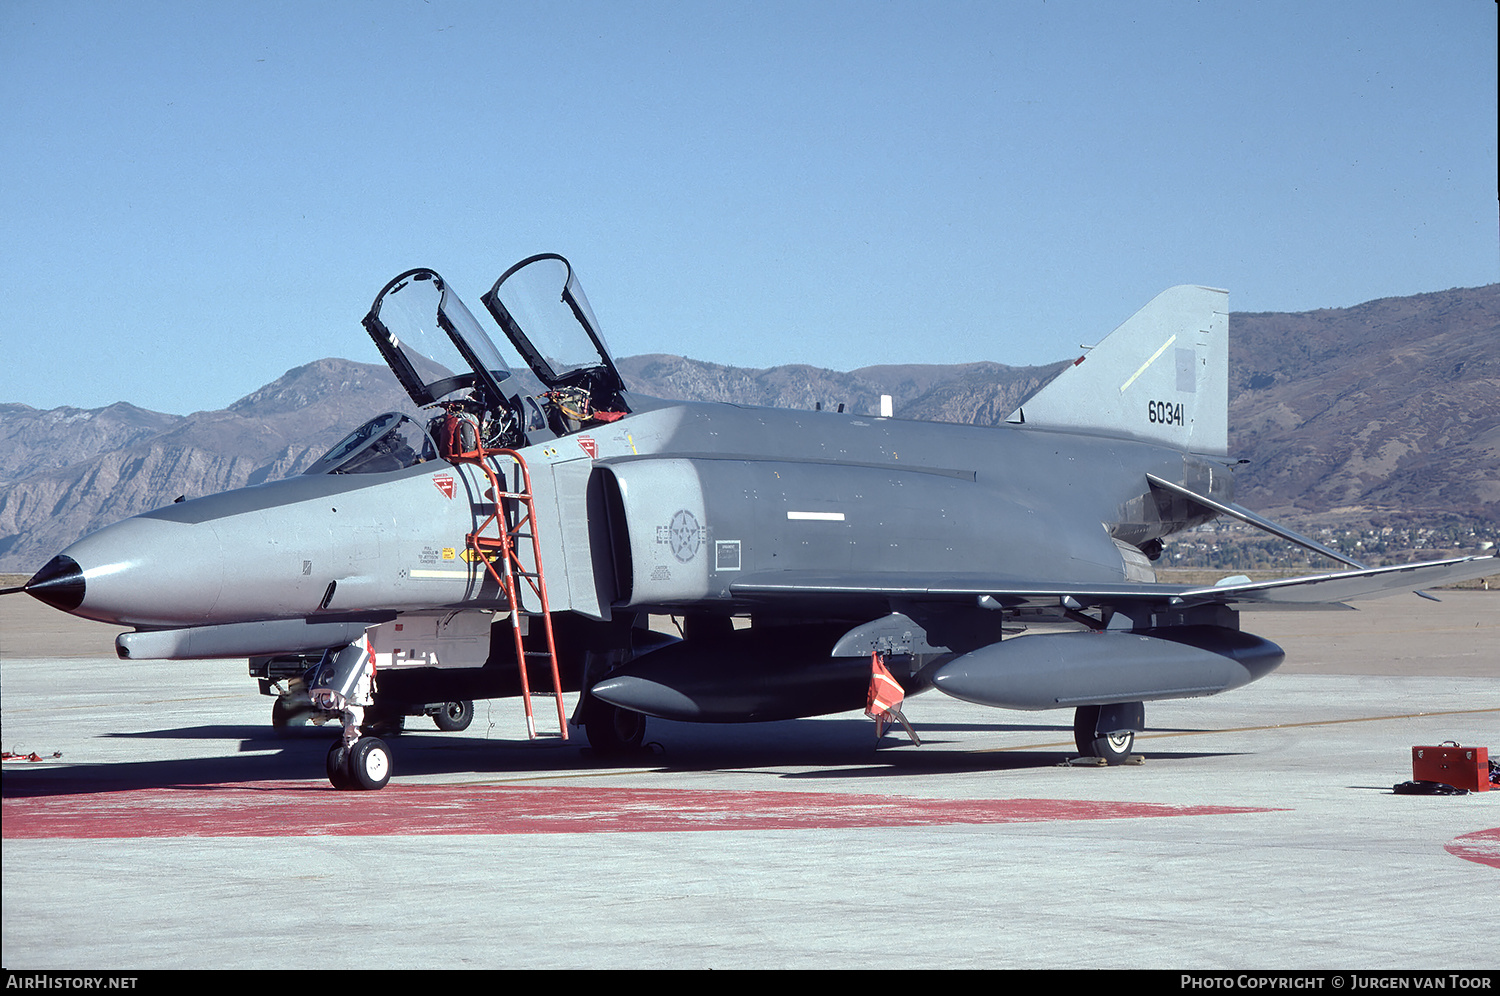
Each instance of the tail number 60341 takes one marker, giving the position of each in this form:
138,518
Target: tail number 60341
1164,413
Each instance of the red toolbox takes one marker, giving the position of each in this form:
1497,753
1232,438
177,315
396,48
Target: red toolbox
1461,767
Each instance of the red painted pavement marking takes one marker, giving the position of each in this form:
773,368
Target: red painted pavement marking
297,809
1482,846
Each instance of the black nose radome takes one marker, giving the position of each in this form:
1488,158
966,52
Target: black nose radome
59,583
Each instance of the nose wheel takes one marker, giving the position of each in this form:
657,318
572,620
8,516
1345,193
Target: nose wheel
364,765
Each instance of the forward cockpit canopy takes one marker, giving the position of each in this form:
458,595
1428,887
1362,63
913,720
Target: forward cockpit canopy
432,343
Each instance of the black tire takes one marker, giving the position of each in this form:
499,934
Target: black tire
454,717
613,731
370,763
1114,748
337,766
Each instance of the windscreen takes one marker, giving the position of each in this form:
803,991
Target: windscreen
387,442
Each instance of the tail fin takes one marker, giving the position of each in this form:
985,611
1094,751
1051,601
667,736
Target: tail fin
1162,376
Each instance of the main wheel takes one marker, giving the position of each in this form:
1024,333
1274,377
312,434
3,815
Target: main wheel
370,763
612,730
338,765
454,716
1114,748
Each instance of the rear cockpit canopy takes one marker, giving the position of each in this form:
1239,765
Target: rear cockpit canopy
540,306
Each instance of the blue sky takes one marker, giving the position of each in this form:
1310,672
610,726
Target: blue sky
200,196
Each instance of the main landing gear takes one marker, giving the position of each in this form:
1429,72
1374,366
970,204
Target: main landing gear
454,717
1108,731
612,731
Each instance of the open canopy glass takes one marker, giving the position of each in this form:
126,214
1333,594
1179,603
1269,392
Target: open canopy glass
432,342
540,306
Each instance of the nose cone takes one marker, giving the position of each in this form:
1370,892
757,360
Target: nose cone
60,583
142,571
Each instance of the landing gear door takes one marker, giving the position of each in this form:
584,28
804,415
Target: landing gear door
540,305
432,342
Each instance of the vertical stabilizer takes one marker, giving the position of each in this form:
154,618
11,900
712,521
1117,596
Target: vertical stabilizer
1163,375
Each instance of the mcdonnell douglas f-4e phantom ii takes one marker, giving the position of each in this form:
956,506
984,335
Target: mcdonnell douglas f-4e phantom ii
521,539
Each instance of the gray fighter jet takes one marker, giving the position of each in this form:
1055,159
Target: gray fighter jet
519,540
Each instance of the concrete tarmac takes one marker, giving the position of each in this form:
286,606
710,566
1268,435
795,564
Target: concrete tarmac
177,830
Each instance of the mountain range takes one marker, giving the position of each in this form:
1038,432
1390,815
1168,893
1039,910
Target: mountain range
1385,412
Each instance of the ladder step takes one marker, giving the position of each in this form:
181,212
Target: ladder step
514,519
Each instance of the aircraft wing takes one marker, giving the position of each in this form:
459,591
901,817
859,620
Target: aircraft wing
1339,586
1007,592
1343,586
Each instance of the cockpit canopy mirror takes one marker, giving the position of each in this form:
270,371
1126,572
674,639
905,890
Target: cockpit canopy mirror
540,305
432,342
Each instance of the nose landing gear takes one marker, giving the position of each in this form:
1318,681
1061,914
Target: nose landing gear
366,764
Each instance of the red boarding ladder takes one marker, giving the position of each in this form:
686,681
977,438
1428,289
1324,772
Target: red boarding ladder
514,520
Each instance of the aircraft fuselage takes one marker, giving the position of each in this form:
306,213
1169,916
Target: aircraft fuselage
669,507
